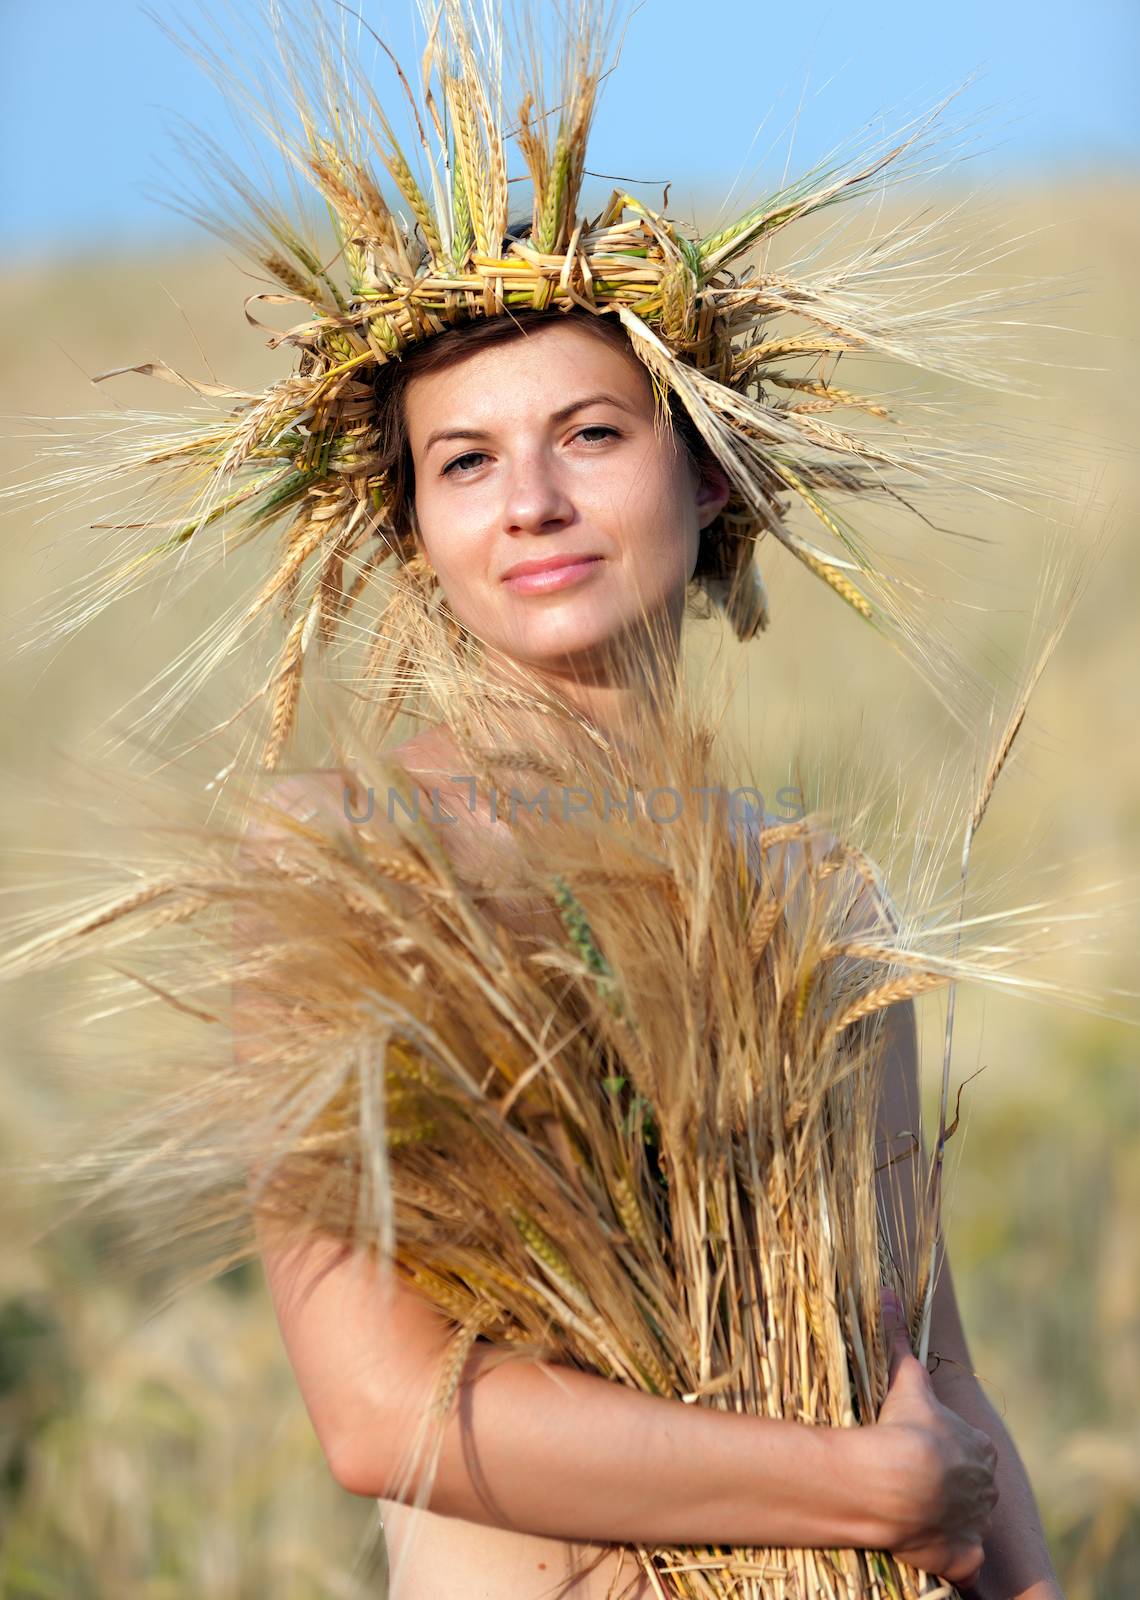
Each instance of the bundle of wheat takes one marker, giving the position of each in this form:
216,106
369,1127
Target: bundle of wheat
603,1083
606,1092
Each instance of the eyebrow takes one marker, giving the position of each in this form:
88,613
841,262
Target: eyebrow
562,415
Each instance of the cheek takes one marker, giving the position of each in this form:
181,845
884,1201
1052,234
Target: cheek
460,543
660,508
450,539
651,516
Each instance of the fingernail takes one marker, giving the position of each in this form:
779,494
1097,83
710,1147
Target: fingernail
892,1303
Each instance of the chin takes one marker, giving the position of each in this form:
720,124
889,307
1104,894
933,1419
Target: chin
559,650
541,639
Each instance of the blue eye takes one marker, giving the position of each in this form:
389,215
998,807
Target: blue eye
598,427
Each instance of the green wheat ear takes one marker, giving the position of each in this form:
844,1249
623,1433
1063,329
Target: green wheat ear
462,233
582,938
578,927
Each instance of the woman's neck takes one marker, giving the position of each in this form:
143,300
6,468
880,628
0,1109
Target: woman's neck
610,693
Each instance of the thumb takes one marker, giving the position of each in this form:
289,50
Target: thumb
895,1328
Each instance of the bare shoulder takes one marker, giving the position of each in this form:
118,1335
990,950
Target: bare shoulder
336,797
332,793
432,760
431,750
323,792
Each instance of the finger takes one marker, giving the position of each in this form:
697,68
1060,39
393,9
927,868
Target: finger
971,1578
964,1564
895,1328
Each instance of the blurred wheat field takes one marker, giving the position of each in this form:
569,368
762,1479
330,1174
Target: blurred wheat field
165,1452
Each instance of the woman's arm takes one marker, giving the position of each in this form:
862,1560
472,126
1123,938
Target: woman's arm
544,1449
1017,1562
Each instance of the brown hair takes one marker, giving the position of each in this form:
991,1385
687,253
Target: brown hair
714,557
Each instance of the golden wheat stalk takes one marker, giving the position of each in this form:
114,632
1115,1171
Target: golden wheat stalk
1064,575
504,1107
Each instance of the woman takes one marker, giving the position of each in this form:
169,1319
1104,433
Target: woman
468,398
534,441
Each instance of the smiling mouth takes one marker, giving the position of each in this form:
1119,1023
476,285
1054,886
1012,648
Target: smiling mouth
557,576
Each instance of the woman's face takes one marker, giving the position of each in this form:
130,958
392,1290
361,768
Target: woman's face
543,449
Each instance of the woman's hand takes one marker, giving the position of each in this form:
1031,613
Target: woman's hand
935,1471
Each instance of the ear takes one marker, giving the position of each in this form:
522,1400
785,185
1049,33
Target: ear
713,491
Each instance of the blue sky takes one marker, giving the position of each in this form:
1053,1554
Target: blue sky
89,87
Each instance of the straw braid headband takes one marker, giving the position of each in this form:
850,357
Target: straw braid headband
749,354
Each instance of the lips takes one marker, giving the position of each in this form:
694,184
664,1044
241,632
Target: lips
546,564
552,574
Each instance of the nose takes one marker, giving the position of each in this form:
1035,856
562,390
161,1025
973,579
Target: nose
535,497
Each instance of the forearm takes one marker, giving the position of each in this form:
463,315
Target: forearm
549,1450
542,1448
1017,1564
